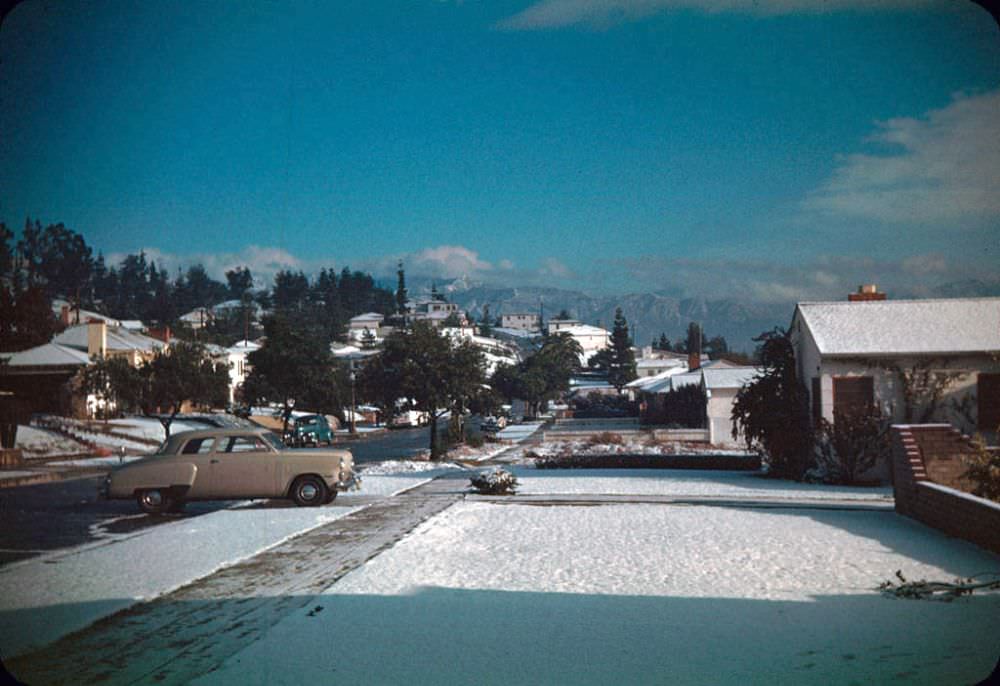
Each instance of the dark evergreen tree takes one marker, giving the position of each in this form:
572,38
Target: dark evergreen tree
239,282
401,296
621,365
485,323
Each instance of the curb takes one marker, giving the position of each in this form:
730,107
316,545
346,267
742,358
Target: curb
43,477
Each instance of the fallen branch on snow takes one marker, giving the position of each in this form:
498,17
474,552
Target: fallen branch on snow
938,590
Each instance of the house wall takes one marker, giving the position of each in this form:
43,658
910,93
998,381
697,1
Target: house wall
889,389
719,410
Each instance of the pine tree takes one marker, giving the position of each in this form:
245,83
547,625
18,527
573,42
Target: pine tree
401,296
485,323
621,362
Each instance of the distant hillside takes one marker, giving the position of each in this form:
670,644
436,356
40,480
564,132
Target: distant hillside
648,314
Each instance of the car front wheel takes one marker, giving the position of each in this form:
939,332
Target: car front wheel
309,491
154,501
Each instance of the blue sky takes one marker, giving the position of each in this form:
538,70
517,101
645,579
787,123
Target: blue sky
760,149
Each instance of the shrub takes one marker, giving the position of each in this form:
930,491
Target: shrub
474,440
771,413
605,438
853,444
683,408
496,481
599,405
983,469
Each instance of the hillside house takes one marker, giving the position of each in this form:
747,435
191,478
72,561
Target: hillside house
916,360
521,321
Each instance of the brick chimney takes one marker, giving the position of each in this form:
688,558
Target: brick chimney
866,293
162,334
64,315
97,338
694,360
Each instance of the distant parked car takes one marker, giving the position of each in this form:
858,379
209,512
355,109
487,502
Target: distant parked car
310,429
230,464
410,418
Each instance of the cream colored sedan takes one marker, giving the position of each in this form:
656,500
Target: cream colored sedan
229,464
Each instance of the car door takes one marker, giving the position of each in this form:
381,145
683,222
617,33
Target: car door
200,453
243,467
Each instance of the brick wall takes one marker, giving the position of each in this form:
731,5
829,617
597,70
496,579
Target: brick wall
927,466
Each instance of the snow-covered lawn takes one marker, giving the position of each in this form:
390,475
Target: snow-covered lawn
47,597
41,443
694,483
514,594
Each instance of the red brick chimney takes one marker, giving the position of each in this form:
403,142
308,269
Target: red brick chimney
694,360
866,293
162,334
64,315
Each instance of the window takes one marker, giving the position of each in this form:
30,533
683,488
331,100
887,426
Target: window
988,394
852,394
245,444
198,446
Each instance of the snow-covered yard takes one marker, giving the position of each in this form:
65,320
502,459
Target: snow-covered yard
500,593
628,445
46,597
41,443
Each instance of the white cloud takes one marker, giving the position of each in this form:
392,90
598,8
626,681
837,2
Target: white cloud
263,262
824,278
549,14
447,261
552,267
944,166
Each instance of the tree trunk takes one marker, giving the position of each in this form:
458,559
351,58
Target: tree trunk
434,436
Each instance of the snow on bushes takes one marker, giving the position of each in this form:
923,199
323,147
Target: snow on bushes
496,481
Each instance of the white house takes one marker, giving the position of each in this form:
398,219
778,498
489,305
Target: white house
364,326
721,385
236,357
918,360
590,338
495,352
521,321
557,325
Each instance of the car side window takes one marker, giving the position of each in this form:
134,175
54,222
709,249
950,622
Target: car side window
198,446
245,444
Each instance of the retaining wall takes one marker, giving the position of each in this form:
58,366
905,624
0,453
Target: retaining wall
927,465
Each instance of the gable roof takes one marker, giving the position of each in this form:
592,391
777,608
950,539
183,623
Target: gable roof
728,377
118,338
49,355
900,327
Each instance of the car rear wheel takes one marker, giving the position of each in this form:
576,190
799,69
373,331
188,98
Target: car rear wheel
155,501
309,491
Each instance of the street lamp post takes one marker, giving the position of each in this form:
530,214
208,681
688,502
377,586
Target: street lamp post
353,427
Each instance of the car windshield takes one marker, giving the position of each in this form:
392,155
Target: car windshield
273,439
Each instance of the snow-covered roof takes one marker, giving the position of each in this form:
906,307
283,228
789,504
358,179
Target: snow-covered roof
728,377
647,383
515,333
656,363
85,315
133,325
49,355
899,327
118,338
244,347
368,317
585,330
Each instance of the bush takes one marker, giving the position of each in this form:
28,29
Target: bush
983,469
474,440
602,406
683,408
853,444
605,438
496,481
771,413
